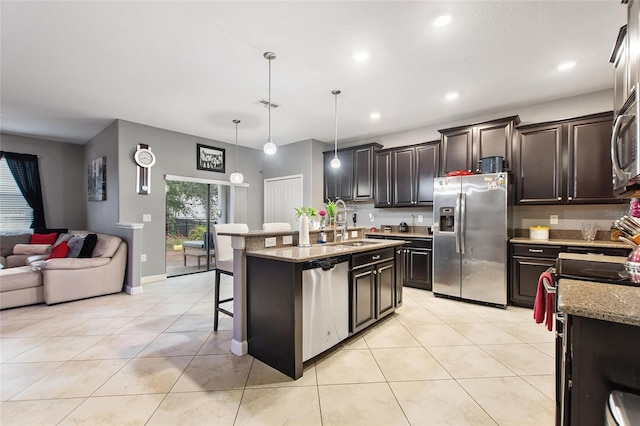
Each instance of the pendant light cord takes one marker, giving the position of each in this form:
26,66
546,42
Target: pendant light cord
269,105
335,148
236,121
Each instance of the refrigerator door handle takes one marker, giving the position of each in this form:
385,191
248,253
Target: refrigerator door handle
463,219
456,223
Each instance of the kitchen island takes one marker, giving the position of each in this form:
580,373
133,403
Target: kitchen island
601,343
275,295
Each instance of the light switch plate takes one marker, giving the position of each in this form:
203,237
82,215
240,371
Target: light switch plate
287,239
146,217
143,258
553,219
420,218
354,234
270,242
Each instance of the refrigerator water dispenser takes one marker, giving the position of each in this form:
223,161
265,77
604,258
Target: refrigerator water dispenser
447,221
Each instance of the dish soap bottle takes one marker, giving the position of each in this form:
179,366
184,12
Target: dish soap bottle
322,237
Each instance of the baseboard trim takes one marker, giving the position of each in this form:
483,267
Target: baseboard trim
153,278
239,348
133,291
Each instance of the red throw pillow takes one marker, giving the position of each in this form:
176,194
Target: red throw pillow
44,238
60,250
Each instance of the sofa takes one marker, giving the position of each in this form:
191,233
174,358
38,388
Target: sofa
28,279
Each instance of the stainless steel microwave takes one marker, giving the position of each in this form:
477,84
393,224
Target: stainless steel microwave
624,152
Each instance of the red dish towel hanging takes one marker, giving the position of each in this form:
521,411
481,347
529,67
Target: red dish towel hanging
543,305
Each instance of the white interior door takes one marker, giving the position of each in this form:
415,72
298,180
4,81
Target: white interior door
281,196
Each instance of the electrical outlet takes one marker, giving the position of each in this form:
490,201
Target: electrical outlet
553,219
287,239
146,218
420,218
354,234
143,258
270,242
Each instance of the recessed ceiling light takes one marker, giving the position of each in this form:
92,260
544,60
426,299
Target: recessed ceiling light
451,96
566,66
361,56
374,115
441,21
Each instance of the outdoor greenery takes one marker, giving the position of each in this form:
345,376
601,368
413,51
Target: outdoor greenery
188,199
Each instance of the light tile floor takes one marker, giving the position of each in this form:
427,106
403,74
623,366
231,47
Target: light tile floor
153,359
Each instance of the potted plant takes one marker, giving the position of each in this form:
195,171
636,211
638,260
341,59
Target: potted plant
303,214
330,207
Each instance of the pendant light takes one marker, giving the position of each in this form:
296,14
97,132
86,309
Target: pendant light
236,177
269,147
335,163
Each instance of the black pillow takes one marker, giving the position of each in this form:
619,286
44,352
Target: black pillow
90,242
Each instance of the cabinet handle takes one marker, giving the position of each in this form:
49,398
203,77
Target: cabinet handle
569,198
536,250
559,198
375,257
399,251
375,272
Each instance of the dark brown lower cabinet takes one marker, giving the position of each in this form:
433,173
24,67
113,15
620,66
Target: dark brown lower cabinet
373,287
528,261
604,358
418,268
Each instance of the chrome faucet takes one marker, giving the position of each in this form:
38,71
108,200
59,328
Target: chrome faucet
340,221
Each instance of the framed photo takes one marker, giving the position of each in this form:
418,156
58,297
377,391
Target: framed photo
210,158
97,190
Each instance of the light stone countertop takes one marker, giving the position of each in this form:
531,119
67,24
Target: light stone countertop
609,302
571,242
297,254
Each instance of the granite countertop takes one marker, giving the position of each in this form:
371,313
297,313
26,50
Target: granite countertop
571,242
398,234
260,233
297,254
608,302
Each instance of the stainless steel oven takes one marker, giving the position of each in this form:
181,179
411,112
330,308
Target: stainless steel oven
625,150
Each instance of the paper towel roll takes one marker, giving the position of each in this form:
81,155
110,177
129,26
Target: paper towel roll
303,237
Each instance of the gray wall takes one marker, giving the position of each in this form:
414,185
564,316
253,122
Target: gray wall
303,158
63,175
176,155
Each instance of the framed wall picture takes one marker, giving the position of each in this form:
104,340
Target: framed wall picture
210,158
97,175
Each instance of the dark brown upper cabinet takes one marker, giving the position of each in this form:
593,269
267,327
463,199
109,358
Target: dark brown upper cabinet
382,174
565,162
404,176
353,180
464,146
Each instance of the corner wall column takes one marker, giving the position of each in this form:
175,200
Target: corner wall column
134,241
239,344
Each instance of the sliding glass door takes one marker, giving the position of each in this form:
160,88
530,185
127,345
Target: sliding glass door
192,209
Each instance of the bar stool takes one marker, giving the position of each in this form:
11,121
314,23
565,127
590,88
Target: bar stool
224,262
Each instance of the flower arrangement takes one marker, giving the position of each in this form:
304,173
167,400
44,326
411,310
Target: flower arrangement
330,206
322,214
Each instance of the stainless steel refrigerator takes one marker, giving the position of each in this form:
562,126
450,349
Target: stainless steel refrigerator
471,229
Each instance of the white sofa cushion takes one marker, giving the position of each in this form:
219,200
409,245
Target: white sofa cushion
76,263
32,249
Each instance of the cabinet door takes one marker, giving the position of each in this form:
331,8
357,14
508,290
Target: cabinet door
427,159
382,186
338,183
386,289
589,161
457,150
418,269
363,298
493,140
403,177
399,259
525,272
538,165
363,173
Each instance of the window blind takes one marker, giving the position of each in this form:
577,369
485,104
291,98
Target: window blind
15,213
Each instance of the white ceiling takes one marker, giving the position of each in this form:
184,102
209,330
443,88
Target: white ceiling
70,68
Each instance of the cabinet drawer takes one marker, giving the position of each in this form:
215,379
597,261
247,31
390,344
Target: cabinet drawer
415,243
536,250
608,251
367,258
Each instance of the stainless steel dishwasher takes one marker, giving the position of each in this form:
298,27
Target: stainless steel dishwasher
325,304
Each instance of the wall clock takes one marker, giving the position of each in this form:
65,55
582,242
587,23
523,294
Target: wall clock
144,159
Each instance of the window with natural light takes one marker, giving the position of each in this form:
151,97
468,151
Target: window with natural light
15,213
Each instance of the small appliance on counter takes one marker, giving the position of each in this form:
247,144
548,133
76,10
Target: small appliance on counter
403,227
